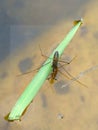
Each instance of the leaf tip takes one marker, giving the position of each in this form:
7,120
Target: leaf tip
77,21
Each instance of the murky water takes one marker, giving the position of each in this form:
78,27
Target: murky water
47,23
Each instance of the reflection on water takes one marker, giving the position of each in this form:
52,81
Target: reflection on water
21,21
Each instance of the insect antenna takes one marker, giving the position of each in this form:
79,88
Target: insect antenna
42,54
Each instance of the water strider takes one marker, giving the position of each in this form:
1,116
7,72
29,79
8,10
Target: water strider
55,68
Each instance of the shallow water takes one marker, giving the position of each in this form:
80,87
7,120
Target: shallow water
73,107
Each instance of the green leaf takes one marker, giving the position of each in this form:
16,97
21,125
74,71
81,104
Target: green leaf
32,89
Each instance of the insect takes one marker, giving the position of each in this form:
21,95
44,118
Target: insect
55,68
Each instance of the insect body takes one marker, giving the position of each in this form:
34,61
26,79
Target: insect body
54,66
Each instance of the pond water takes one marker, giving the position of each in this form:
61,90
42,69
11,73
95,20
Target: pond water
26,24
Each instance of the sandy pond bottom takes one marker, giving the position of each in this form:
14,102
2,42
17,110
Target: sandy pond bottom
70,108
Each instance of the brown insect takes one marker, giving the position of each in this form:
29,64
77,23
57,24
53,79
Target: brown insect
55,68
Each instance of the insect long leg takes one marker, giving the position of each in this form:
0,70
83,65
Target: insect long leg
33,69
39,66
64,74
66,62
42,54
74,78
27,72
82,74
